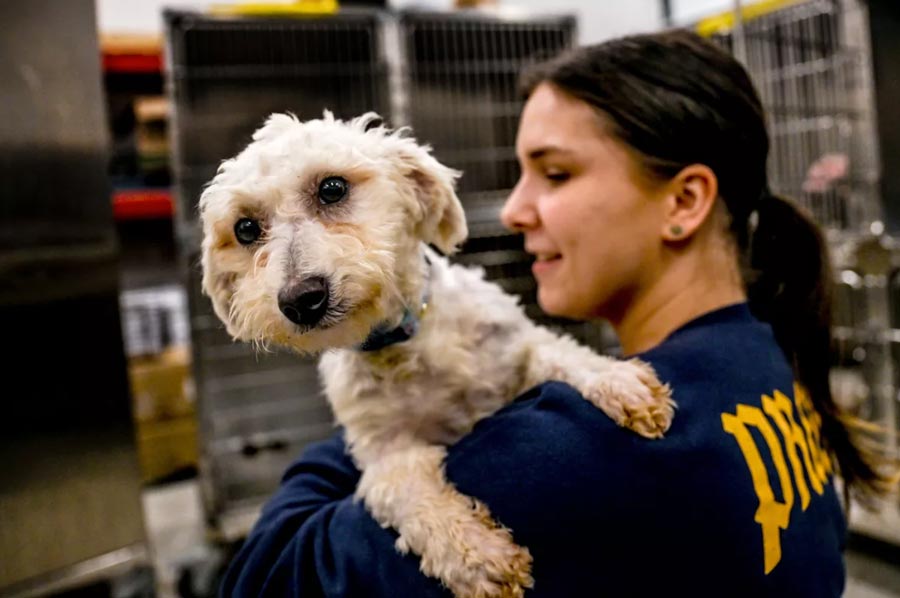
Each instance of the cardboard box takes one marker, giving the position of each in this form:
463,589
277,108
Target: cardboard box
162,389
162,386
168,446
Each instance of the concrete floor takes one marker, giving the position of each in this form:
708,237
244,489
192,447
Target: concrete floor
175,526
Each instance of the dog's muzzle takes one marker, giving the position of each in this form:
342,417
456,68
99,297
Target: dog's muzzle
305,302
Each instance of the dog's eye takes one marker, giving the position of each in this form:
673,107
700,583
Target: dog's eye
333,189
247,231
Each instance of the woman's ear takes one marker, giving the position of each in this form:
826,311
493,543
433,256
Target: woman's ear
690,199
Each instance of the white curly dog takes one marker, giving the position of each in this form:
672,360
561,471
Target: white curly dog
315,239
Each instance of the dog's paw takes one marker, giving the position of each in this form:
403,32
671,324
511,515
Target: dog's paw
632,395
502,567
478,559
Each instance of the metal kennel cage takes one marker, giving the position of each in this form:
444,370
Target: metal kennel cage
226,75
451,76
811,66
812,63
460,94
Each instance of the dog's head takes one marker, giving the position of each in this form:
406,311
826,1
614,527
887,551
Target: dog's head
312,234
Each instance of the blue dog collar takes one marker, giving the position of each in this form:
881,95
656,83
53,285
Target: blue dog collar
385,335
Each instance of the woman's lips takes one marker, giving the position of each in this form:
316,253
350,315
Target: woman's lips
545,263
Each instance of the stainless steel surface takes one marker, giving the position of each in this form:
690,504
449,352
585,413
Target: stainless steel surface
69,487
104,567
53,129
52,143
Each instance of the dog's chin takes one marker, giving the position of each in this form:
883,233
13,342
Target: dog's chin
336,331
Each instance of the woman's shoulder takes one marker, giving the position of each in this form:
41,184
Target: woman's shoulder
552,437
558,471
721,359
556,448
549,457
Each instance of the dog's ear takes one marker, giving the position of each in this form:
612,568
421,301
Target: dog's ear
443,222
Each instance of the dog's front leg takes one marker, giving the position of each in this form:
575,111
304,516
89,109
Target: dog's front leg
628,391
455,536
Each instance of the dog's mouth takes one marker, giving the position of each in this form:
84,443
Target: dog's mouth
333,315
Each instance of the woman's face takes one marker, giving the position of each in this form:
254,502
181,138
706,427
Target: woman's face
592,223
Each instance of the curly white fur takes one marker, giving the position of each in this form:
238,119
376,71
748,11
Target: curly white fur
400,406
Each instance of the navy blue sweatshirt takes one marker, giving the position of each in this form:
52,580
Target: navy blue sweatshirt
736,500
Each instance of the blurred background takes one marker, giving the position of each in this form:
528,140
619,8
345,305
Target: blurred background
137,442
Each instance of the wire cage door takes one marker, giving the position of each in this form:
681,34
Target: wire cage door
459,73
811,61
226,75
452,76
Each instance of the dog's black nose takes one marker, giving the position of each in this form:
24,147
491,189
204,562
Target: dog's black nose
305,302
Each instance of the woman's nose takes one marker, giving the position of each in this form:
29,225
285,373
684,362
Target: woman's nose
518,213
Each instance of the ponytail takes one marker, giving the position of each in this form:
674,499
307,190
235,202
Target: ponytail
790,287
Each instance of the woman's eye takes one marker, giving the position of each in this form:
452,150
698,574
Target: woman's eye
247,231
333,189
557,176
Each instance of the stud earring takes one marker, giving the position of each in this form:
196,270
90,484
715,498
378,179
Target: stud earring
676,230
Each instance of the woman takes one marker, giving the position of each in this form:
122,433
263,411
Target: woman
644,199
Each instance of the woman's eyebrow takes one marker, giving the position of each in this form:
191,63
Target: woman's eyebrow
540,152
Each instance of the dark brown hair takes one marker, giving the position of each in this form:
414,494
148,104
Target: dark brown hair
676,99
